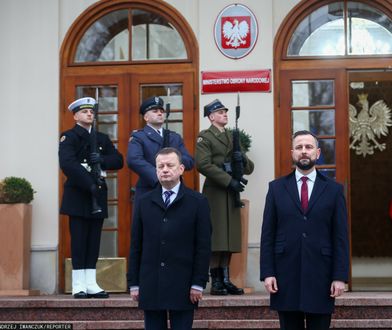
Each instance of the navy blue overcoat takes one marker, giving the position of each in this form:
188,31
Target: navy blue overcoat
304,251
143,146
170,249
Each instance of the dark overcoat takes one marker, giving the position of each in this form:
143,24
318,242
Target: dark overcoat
170,249
214,148
143,146
74,150
304,251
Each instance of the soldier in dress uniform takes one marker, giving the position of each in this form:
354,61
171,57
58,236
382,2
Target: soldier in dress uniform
214,148
76,159
144,144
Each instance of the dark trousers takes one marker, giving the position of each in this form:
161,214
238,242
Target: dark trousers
296,321
85,241
179,320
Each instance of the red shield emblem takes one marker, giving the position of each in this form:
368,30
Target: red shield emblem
235,32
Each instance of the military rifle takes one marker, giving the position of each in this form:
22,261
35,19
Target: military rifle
166,132
237,159
96,170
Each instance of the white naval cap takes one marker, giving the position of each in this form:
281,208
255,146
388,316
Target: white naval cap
83,103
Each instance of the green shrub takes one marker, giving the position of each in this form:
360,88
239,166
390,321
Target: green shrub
15,190
245,139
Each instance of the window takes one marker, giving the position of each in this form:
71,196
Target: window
152,37
342,28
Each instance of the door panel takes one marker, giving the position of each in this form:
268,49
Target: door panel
370,102
314,100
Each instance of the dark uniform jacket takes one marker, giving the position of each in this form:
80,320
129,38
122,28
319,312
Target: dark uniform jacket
214,148
304,251
170,249
74,150
143,146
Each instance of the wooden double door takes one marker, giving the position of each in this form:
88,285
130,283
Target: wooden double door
325,102
120,96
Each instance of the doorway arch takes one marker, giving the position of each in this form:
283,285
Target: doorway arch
313,85
128,50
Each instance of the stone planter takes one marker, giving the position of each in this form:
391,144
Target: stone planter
15,244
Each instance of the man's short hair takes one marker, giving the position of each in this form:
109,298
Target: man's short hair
169,150
305,132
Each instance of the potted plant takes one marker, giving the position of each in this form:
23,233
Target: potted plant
15,235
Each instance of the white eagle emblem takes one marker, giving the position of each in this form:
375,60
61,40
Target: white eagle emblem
369,124
234,34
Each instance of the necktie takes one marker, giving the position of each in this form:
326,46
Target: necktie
304,193
159,132
167,194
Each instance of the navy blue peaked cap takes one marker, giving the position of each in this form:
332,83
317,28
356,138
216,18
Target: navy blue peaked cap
154,102
213,106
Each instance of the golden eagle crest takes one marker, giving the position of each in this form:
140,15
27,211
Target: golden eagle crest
369,124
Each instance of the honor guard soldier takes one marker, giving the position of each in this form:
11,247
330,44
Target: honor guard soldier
85,197
144,144
214,150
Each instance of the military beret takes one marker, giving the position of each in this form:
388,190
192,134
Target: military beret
83,103
151,103
213,106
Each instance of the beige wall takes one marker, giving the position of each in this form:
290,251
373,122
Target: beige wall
29,101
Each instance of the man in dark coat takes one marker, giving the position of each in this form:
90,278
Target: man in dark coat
304,253
170,248
214,148
145,143
76,161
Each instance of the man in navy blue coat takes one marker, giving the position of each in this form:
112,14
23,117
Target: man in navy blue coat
76,159
145,143
170,248
304,250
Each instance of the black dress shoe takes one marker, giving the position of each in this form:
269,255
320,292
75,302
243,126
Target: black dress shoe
99,295
232,289
80,295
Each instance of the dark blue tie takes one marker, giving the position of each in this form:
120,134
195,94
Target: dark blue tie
167,194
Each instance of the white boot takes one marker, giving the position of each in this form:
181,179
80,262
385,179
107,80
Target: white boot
92,287
78,281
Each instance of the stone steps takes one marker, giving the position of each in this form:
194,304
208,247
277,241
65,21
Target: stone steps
353,311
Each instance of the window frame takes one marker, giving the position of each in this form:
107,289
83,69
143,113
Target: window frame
307,7
76,34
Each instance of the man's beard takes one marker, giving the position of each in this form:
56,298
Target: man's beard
305,166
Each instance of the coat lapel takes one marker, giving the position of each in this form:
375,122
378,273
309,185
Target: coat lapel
153,135
220,136
318,188
291,186
179,196
157,197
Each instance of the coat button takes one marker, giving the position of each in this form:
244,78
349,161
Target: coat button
305,217
164,219
304,235
162,264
